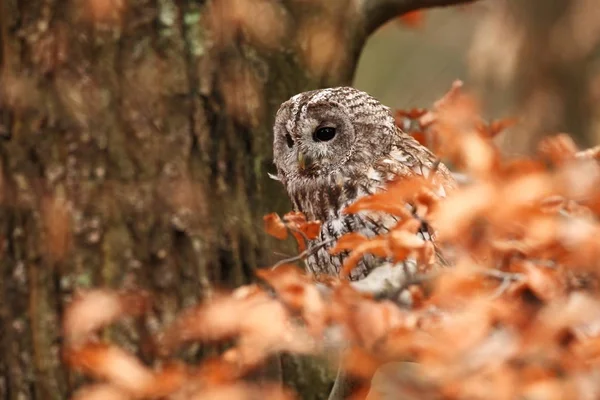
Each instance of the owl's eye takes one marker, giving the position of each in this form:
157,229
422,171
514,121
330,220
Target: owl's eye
324,134
290,141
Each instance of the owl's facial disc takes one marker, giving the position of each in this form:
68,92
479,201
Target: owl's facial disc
312,139
310,163
324,140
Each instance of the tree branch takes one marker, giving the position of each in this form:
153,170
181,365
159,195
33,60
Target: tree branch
378,12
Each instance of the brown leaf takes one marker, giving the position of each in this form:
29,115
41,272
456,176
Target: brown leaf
243,391
498,126
94,309
113,365
544,282
412,19
348,241
456,214
298,292
311,229
359,362
101,391
558,149
300,241
275,227
375,246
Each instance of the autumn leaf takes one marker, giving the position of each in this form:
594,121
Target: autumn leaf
498,126
100,361
377,247
558,149
275,227
94,309
348,241
412,19
311,229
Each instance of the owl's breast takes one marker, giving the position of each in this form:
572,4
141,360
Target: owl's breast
325,198
327,204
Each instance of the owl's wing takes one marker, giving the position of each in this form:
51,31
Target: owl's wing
409,158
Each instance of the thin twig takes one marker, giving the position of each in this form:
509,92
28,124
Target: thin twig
497,274
504,285
278,253
506,279
306,253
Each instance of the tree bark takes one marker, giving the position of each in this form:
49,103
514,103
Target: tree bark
135,149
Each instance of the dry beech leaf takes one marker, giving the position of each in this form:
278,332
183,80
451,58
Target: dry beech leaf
371,321
300,241
302,229
392,200
377,247
311,229
498,126
544,282
558,149
348,242
243,391
297,291
360,363
275,227
412,19
92,310
114,365
456,214
101,392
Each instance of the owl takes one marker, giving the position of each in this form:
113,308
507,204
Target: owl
333,146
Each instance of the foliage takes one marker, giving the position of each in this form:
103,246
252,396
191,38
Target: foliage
515,314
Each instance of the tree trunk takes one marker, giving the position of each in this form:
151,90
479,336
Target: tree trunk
135,149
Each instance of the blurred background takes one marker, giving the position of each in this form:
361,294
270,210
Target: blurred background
411,63
534,60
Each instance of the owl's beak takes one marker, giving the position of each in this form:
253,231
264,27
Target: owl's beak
304,161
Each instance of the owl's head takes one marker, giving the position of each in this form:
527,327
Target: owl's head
323,131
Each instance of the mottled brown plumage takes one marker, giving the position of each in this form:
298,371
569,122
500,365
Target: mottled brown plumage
333,146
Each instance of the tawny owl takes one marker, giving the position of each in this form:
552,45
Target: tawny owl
333,146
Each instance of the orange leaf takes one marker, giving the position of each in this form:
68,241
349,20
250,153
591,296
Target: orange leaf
412,19
402,243
101,391
94,309
294,217
359,362
348,242
299,240
374,246
558,149
420,137
311,229
499,125
113,364
275,227
544,282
